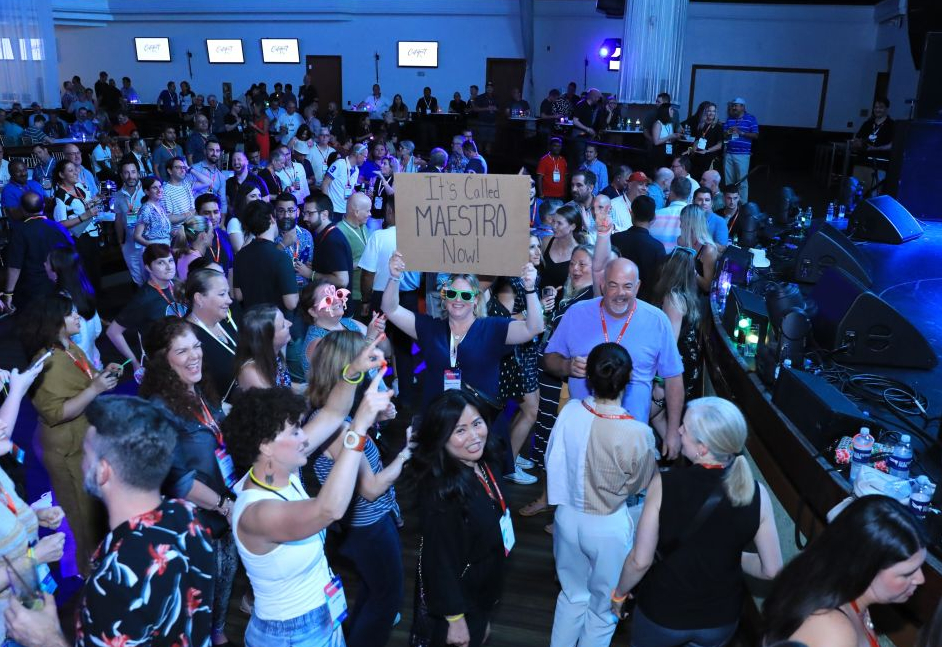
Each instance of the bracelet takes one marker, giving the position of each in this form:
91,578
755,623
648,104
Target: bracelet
395,278
30,553
456,618
618,599
526,291
222,499
350,380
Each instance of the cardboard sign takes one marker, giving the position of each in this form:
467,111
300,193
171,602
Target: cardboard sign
463,222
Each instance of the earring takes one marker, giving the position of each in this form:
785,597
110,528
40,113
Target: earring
269,477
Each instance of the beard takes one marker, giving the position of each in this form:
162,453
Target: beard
90,481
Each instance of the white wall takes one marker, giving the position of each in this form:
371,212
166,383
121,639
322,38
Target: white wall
904,77
98,34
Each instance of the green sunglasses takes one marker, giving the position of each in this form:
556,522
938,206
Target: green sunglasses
453,295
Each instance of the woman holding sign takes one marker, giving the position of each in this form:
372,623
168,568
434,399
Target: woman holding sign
464,349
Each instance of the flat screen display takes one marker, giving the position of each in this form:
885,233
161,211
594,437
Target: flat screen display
415,53
280,50
228,50
155,50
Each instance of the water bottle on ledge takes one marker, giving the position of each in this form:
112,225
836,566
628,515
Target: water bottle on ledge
921,496
829,216
901,458
860,454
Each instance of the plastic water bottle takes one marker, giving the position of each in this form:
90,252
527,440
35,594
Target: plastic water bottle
860,455
840,213
921,496
829,216
902,457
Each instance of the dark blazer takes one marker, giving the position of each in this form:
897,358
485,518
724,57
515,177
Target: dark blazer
638,245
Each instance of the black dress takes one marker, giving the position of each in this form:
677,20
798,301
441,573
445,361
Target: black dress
219,357
461,559
554,274
713,134
518,371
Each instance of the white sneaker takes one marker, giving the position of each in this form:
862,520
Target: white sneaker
525,463
520,477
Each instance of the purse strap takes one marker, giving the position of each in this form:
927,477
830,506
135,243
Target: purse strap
705,511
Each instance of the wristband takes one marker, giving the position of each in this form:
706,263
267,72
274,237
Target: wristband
618,599
456,618
30,553
526,291
349,380
395,278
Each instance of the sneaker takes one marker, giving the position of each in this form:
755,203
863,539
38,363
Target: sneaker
525,463
520,477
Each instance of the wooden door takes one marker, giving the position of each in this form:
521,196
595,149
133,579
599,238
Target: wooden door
506,74
326,73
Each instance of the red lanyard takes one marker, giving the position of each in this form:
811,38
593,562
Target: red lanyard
218,247
733,221
209,422
82,364
295,251
870,637
607,416
8,502
500,497
170,302
623,328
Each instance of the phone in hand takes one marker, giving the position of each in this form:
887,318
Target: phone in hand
42,359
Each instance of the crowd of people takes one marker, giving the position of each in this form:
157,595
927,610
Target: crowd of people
276,329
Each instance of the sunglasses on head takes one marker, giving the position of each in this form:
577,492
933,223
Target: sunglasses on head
450,294
689,250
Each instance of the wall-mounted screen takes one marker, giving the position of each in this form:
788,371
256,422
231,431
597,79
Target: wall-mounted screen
415,53
280,50
155,50
228,50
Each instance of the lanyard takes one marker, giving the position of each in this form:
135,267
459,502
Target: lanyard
132,198
35,218
323,235
47,173
733,221
170,302
269,488
500,497
8,501
607,416
209,422
82,364
871,639
78,195
356,232
231,349
623,328
216,252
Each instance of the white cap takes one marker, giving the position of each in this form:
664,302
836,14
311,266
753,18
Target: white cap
739,100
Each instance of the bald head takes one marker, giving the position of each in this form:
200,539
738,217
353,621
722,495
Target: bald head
358,209
620,286
32,203
711,180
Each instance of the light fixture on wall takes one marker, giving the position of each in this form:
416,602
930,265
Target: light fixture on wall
610,51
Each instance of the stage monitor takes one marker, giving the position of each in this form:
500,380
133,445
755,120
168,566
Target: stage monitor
225,50
414,53
152,50
280,50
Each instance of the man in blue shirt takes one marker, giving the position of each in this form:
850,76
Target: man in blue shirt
84,128
169,101
741,129
13,192
86,177
594,164
11,132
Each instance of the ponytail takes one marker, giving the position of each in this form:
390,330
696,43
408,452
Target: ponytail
739,483
718,424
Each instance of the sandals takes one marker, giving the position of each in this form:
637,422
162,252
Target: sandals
534,508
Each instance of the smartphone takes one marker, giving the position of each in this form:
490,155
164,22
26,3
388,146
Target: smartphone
42,359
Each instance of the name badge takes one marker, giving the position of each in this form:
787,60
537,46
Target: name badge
378,202
734,136
701,144
18,454
452,378
336,601
507,532
226,467
556,176
47,183
347,191
47,582
669,149
872,137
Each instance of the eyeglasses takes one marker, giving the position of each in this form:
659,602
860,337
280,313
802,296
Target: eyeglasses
289,210
689,250
450,294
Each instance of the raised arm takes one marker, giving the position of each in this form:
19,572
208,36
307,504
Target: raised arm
402,318
519,332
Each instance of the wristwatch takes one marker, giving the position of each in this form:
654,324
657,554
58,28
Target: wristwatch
353,440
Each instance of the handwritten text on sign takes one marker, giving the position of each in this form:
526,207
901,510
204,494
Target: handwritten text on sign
453,222
280,50
418,53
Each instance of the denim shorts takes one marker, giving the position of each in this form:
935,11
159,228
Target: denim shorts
313,629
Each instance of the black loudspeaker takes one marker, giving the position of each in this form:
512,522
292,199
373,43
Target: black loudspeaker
819,411
929,96
611,8
740,303
913,174
884,220
861,328
826,248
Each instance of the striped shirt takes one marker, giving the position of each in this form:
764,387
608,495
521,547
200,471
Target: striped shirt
746,124
666,227
362,512
178,198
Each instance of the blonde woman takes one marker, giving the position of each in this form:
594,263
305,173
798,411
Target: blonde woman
197,237
700,521
695,234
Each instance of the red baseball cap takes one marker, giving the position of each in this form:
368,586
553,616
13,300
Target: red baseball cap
638,176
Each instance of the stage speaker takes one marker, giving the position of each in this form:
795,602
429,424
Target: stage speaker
884,220
861,328
740,303
826,248
816,408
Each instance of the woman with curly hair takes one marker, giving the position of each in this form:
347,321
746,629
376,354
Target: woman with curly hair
279,530
202,470
60,395
460,570
260,355
370,538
